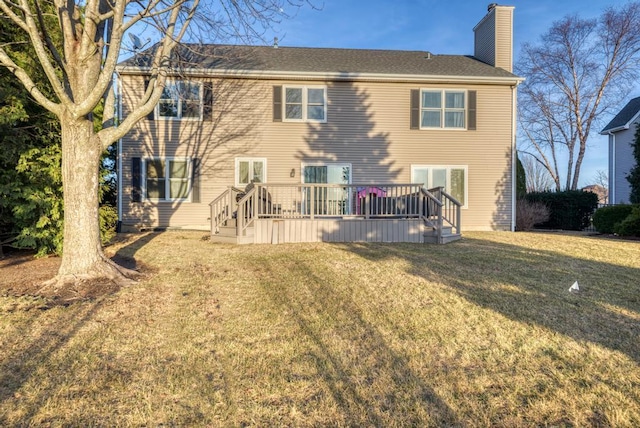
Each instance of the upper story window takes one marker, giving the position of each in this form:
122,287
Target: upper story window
167,179
442,109
180,100
305,103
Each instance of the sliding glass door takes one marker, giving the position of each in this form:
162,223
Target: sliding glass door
326,201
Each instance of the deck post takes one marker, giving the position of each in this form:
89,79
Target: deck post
231,202
366,204
312,204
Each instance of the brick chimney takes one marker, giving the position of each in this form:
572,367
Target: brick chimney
494,37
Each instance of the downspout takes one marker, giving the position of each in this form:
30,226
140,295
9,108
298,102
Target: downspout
612,178
116,79
514,113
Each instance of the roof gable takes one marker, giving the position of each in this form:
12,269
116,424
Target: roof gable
624,118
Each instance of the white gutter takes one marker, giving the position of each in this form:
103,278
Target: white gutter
334,76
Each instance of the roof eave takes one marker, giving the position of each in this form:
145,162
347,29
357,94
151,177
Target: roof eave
334,76
608,131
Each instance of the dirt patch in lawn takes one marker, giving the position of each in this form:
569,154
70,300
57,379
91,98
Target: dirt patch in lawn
21,274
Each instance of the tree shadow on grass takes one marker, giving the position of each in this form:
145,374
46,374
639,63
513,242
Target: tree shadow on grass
125,255
371,383
27,355
531,286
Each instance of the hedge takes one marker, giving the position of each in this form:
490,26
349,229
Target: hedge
606,218
630,226
568,210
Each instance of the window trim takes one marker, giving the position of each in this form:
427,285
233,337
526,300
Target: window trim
167,184
443,109
200,85
305,103
250,160
448,177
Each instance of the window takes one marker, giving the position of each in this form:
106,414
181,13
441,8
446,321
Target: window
442,109
250,170
181,100
167,179
305,104
452,178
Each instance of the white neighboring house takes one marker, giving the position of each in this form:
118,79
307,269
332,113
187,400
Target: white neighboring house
621,132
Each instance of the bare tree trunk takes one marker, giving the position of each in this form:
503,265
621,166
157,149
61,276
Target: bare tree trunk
80,163
576,177
83,258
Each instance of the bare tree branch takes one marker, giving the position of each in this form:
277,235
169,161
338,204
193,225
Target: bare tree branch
584,67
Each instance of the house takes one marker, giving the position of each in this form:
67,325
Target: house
621,132
287,144
600,191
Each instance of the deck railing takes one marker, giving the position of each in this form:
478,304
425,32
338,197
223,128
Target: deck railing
337,200
449,211
223,207
265,200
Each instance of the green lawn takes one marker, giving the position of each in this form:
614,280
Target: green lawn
480,332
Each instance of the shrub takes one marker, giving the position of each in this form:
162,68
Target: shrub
568,210
630,226
606,218
108,221
528,214
521,180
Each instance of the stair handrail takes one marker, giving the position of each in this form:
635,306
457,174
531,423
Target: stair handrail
247,211
432,208
451,208
219,211
222,207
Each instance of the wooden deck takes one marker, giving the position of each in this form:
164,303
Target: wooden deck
279,213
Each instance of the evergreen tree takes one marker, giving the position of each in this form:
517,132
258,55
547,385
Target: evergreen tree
521,179
31,199
30,181
634,174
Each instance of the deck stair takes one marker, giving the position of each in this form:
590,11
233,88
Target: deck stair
431,236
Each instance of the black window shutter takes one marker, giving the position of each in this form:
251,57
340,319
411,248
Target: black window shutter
471,110
277,103
136,178
150,116
415,109
207,101
195,180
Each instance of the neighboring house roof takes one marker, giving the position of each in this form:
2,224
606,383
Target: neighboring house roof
624,118
338,63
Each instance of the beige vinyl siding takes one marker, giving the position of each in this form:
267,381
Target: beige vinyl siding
504,39
367,126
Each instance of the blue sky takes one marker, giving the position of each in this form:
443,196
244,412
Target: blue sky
439,26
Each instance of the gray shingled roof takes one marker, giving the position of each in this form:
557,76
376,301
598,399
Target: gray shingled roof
624,117
322,60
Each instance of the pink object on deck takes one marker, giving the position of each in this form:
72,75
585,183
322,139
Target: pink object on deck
364,191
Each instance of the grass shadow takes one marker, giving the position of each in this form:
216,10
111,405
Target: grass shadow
370,383
530,285
125,255
32,353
